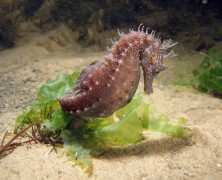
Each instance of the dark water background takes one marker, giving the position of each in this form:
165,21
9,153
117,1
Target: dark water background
196,23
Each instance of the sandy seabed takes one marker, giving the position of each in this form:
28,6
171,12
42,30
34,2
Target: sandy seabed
23,69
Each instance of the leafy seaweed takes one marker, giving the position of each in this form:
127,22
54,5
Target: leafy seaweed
161,123
38,111
209,73
46,104
59,87
125,126
207,77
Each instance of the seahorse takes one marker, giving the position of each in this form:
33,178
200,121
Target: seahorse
105,87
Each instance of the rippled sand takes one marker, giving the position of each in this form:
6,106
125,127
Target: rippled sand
25,68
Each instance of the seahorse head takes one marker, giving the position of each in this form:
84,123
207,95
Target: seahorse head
154,55
152,61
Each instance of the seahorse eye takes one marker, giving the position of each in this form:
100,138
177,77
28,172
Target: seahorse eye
157,68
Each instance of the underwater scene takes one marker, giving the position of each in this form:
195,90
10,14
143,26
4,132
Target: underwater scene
111,89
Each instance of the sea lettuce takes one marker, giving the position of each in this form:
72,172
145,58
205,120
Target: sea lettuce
46,105
58,87
125,126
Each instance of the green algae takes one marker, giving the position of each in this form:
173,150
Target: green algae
124,127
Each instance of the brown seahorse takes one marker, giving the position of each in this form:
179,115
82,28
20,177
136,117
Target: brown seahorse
105,87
